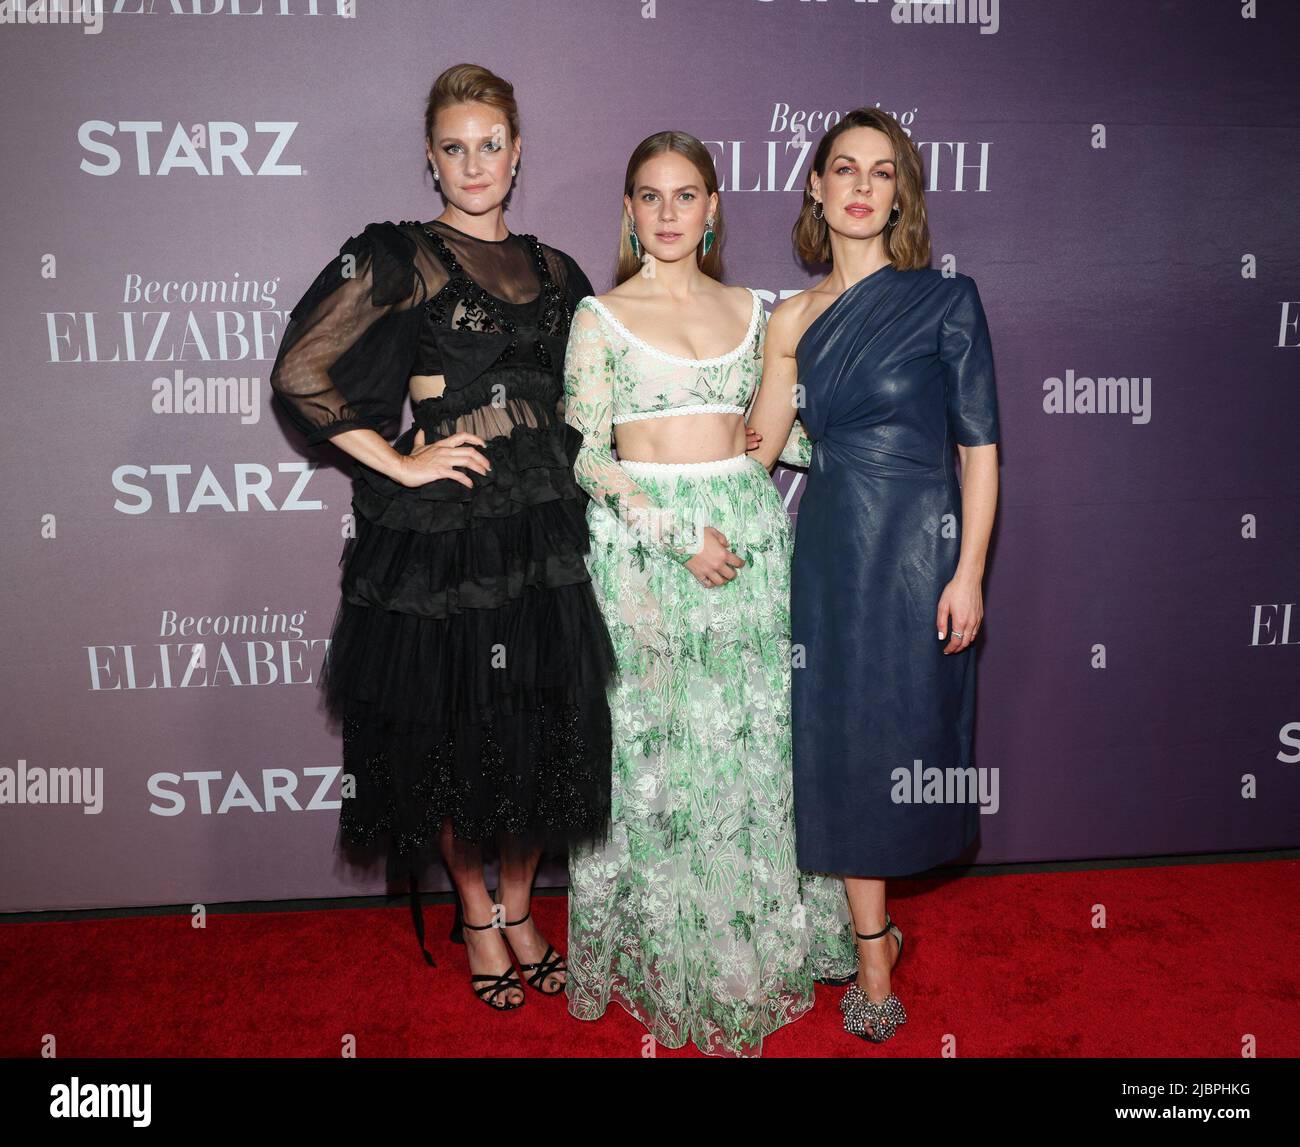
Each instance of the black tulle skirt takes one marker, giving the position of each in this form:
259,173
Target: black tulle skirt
468,661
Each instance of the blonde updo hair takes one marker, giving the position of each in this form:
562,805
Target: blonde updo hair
684,144
908,241
471,84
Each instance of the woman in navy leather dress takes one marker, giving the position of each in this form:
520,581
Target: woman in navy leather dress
888,364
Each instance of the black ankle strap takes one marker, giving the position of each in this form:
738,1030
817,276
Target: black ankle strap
522,919
460,909
876,935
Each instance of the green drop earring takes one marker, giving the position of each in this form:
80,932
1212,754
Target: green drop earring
708,235
636,243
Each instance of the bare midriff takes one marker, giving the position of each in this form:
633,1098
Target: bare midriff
424,386
707,437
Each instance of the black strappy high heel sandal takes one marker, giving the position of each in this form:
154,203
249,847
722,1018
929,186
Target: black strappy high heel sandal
548,965
493,986
865,1018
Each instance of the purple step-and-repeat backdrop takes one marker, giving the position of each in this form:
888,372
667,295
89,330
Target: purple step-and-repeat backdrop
1119,176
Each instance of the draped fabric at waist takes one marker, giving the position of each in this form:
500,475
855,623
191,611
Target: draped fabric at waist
833,454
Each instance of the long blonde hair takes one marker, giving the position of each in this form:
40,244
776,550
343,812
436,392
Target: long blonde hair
687,145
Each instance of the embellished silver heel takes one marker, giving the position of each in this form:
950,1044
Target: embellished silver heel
862,1016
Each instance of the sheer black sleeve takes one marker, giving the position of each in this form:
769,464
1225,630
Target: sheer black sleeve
349,344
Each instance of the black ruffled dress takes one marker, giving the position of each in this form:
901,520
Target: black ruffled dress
468,660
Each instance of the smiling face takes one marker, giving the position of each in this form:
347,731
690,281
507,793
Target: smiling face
473,153
858,188
669,205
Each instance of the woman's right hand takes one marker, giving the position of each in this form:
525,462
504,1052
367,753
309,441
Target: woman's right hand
715,564
430,461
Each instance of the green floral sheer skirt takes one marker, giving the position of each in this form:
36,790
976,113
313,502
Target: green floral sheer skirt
693,915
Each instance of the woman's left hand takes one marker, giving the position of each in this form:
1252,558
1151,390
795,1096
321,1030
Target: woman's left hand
752,439
962,605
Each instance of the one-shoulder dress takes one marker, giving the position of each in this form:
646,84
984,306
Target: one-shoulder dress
468,661
896,372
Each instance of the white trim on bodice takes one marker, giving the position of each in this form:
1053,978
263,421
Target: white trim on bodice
694,408
664,356
695,469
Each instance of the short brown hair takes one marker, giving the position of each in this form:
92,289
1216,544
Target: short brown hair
908,240
684,144
471,84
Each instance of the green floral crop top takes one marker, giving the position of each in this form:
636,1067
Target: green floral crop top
612,376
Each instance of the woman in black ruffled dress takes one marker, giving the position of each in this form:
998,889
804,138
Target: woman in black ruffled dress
468,660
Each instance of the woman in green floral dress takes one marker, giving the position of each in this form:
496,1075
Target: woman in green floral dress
692,915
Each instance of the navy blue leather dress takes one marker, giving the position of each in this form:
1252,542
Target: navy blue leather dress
895,372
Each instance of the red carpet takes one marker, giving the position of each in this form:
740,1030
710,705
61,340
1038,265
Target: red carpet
1193,958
